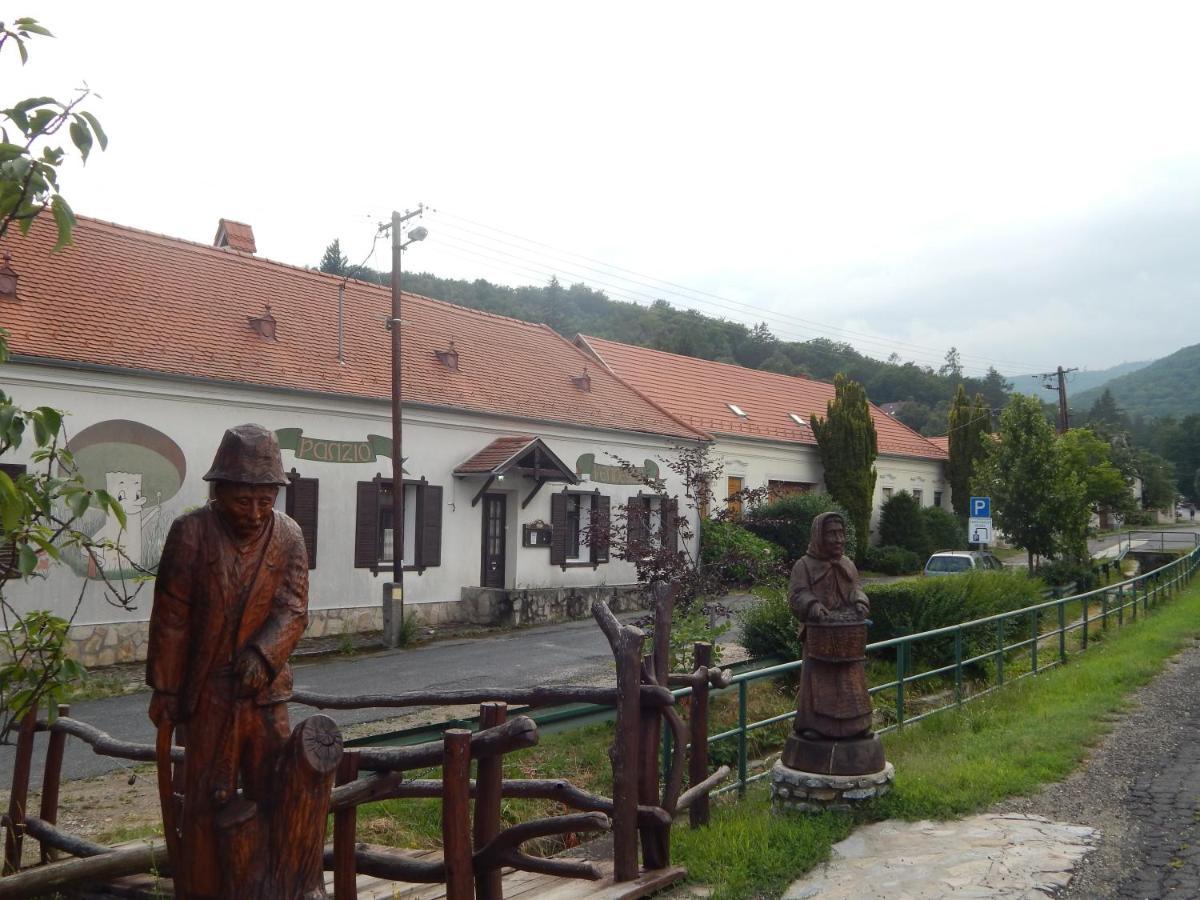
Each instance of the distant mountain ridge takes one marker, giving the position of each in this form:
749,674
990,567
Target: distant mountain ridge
1166,387
1078,382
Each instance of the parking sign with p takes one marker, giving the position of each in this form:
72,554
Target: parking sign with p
981,507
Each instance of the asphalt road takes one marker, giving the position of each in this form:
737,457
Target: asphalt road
566,653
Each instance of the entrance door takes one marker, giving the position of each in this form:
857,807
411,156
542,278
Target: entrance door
494,517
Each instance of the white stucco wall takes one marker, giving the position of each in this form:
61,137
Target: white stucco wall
762,461
194,415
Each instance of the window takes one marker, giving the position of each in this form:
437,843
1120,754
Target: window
375,525
300,502
917,495
579,523
937,499
736,485
887,494
651,522
777,489
799,420
737,410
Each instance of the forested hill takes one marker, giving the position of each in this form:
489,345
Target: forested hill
1080,381
1167,387
578,309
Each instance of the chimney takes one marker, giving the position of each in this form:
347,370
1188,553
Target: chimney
235,236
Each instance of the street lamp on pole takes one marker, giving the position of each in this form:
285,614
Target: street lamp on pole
394,602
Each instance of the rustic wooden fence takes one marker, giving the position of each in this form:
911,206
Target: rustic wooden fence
475,850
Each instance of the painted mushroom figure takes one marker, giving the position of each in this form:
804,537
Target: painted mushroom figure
832,729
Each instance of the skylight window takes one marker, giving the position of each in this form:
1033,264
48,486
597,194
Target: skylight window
737,410
797,419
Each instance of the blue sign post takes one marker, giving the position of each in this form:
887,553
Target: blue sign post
981,508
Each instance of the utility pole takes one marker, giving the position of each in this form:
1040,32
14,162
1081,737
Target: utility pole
1060,376
393,602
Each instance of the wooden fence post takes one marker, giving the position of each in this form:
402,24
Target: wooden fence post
52,777
456,814
345,828
488,785
698,722
22,762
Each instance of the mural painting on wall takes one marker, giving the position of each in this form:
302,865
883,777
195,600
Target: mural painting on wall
143,469
587,465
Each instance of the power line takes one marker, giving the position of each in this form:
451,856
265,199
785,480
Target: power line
697,296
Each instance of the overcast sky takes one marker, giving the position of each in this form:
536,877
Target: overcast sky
1018,180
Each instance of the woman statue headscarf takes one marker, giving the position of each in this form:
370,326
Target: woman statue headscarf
833,703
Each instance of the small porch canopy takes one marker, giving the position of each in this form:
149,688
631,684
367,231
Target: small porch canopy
523,455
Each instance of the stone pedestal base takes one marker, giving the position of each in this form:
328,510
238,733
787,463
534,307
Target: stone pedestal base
812,792
846,757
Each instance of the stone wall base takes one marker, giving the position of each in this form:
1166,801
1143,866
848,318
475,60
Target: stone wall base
808,792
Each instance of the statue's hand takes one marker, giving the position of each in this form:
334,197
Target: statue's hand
163,705
818,613
252,672
863,609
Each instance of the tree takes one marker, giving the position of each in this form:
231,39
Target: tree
334,262
901,524
1036,500
970,429
1158,481
29,158
848,446
1090,459
953,366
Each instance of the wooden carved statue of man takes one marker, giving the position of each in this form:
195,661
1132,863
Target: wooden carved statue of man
832,730
230,603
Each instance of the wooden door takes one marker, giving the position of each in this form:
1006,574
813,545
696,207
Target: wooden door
494,517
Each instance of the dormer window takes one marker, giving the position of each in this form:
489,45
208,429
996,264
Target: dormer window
737,410
448,358
8,279
798,420
264,325
583,382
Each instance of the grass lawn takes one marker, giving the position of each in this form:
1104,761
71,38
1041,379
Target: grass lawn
1009,743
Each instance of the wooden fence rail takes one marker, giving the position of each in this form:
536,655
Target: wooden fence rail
475,846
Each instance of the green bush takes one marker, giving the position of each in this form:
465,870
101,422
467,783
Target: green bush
788,520
925,604
769,628
945,530
902,525
893,561
740,556
1059,573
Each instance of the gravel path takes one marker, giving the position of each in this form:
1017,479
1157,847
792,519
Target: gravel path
1141,788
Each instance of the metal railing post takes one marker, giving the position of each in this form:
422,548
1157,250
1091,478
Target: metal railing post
958,667
1120,605
1000,652
1033,639
743,763
1086,603
1062,631
901,667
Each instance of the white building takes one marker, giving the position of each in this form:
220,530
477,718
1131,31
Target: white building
155,345
761,424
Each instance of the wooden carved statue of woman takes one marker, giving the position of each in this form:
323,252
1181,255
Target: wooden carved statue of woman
832,730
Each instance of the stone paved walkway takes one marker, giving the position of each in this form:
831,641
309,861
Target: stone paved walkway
1012,857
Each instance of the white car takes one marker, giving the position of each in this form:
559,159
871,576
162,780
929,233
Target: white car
951,562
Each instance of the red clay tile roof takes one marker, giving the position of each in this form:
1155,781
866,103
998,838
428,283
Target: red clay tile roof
135,300
235,236
501,454
699,392
942,441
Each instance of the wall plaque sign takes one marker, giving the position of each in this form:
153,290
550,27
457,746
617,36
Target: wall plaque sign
587,465
326,450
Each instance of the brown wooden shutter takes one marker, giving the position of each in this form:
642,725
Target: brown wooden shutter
558,530
301,505
601,519
366,526
635,525
8,550
429,515
668,514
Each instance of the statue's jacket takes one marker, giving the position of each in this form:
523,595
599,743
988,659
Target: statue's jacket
202,618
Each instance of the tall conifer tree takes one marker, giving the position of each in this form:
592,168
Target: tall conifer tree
848,446
970,423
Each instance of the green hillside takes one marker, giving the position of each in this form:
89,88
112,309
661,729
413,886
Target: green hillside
1082,380
1167,387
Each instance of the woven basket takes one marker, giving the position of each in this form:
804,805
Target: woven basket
835,642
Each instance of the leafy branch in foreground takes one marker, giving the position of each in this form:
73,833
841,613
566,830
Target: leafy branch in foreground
29,157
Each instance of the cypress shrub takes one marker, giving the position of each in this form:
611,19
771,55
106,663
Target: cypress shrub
788,521
901,524
945,530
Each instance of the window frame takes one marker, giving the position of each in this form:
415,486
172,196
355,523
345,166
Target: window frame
426,526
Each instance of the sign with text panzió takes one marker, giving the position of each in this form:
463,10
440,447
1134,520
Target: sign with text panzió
327,450
587,465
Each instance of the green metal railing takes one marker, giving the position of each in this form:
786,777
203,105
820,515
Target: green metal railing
1009,634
